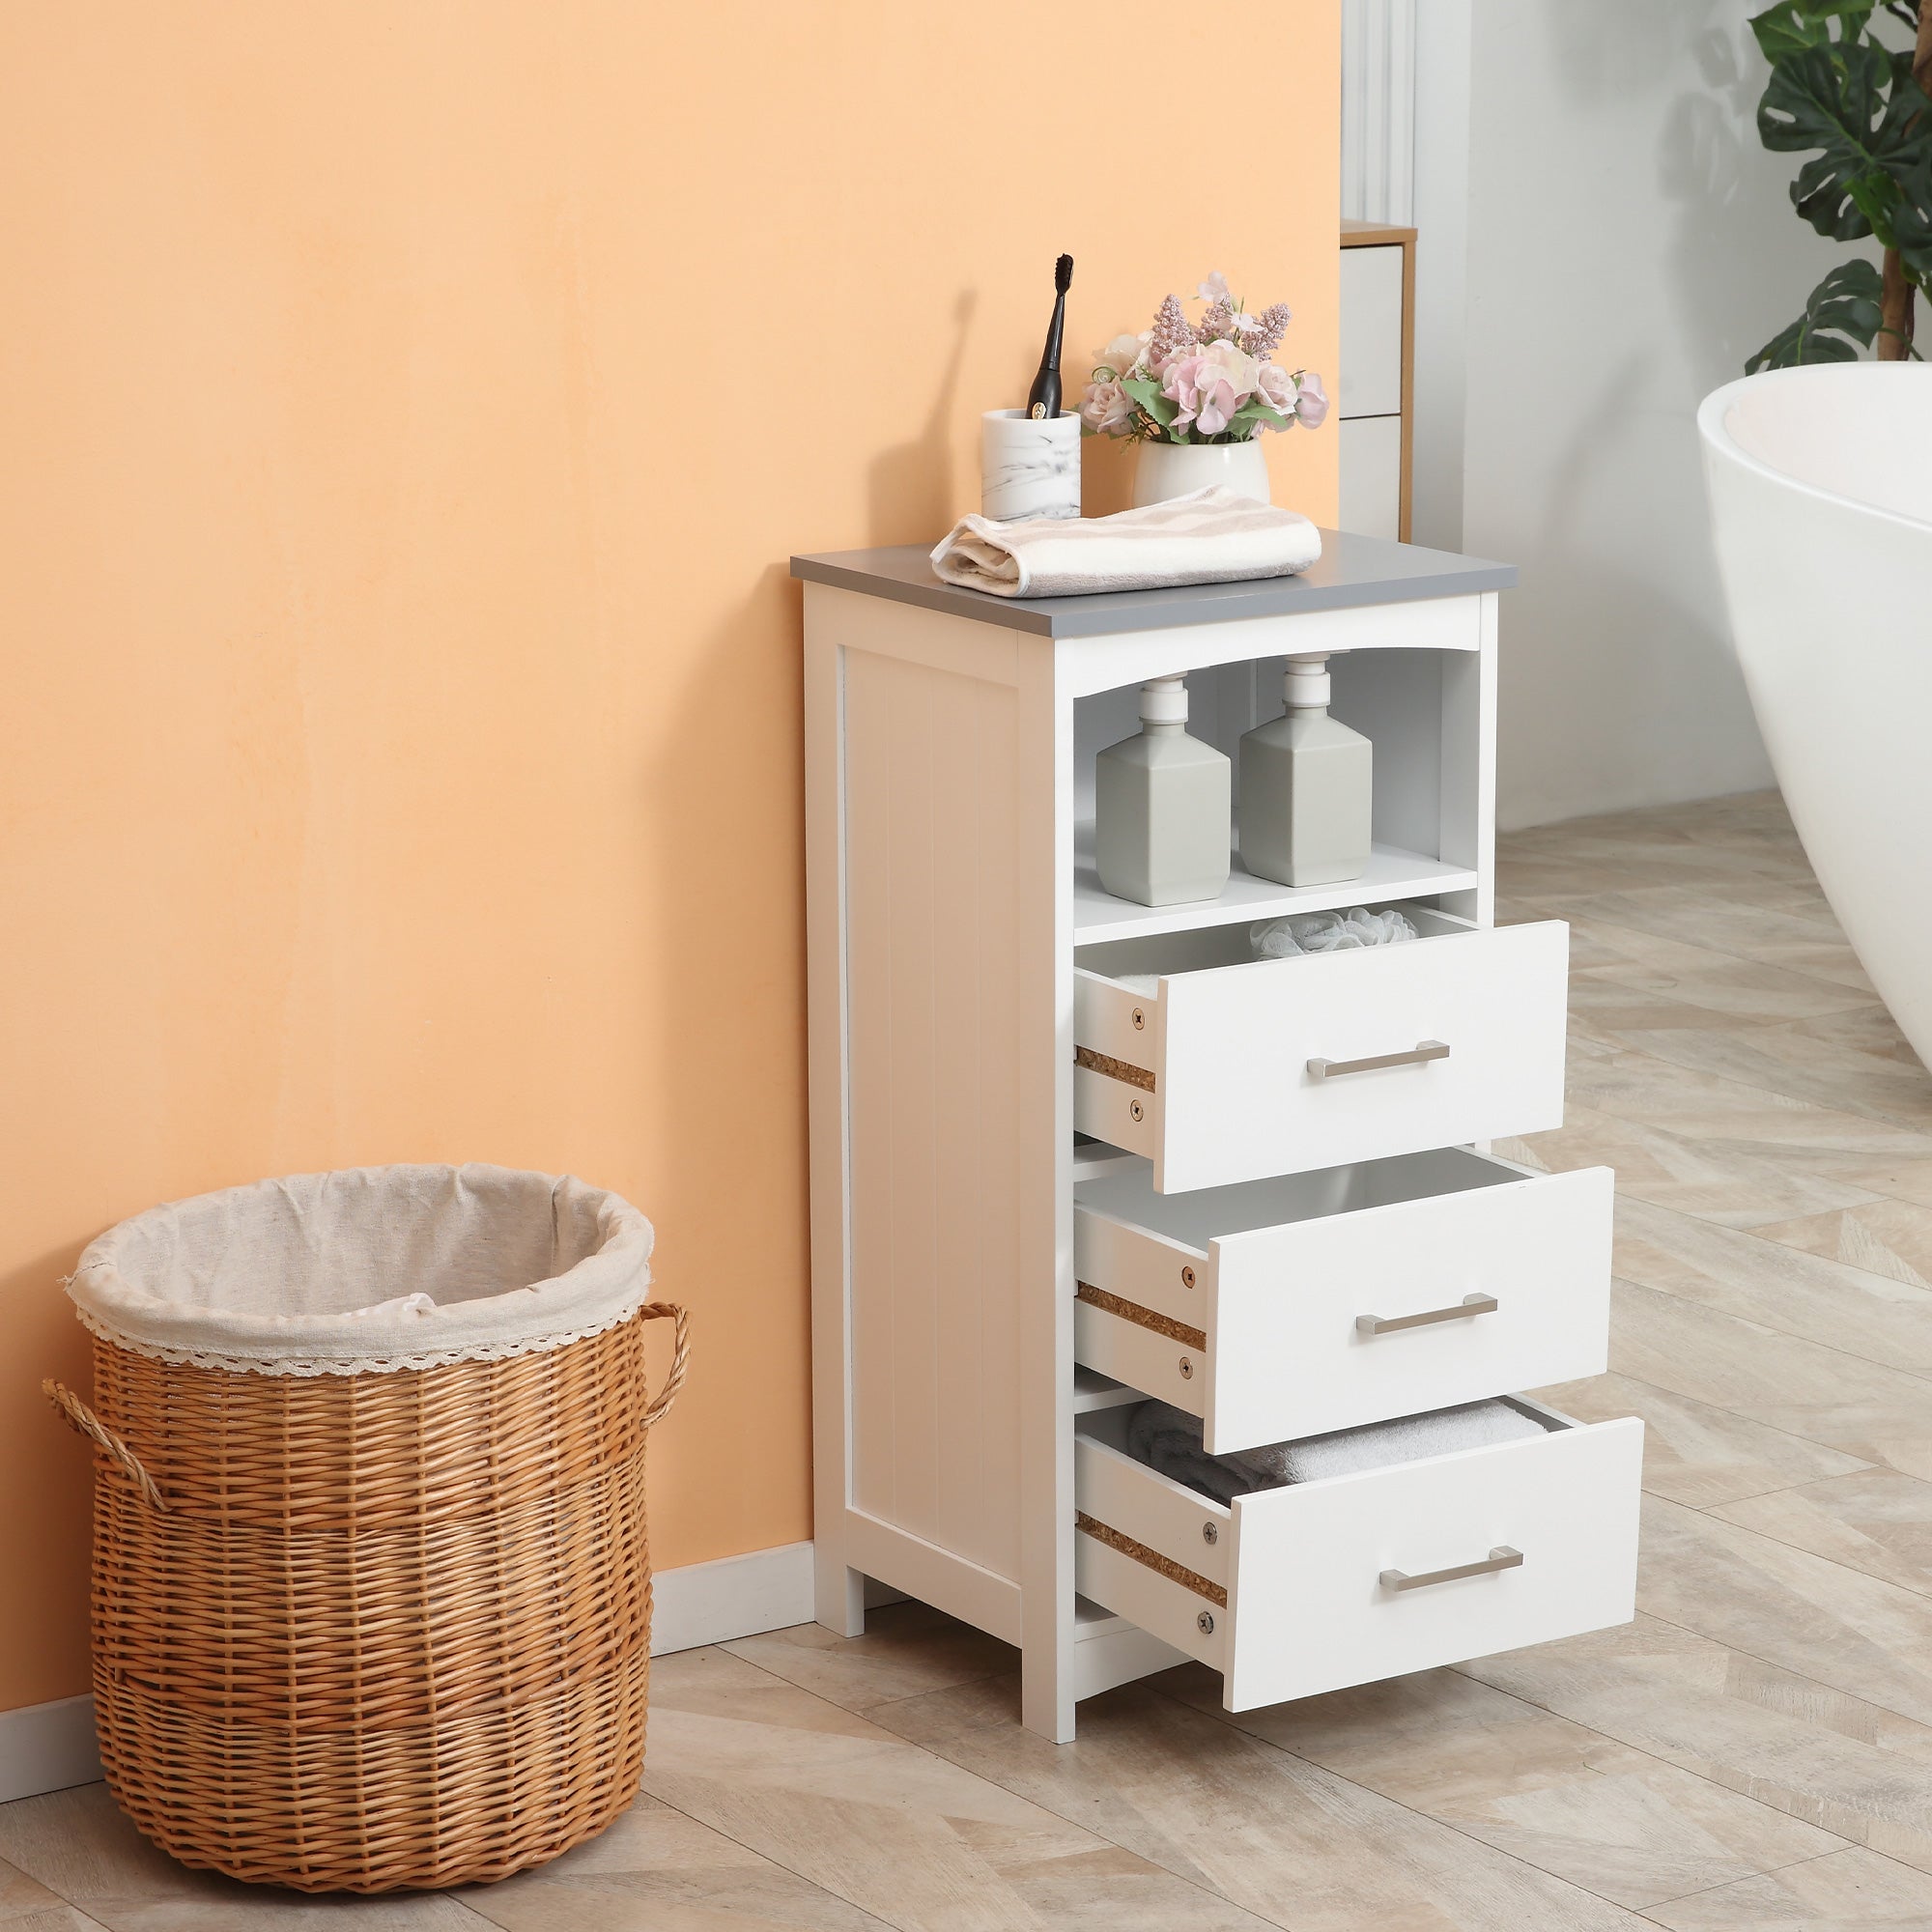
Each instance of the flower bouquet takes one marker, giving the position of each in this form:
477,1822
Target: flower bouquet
1207,382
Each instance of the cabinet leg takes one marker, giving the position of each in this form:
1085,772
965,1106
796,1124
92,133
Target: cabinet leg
1046,1693
840,1598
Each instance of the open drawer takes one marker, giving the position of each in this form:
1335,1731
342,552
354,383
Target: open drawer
1319,1585
1317,1301
1221,1067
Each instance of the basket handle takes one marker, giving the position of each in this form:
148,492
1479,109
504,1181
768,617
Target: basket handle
83,1420
680,1355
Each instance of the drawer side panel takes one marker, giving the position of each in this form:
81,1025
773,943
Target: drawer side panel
1189,1529
1140,1358
1162,1609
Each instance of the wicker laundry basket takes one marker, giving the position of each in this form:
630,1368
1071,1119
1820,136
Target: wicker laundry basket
371,1583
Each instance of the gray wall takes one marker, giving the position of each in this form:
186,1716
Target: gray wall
1626,243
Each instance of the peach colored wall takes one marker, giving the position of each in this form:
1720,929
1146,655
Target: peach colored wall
408,409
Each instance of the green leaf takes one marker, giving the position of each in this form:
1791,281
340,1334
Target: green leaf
1841,316
1908,221
1256,411
1874,196
1146,391
1856,104
1795,24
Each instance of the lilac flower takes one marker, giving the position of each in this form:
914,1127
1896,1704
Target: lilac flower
1220,323
1172,334
1269,326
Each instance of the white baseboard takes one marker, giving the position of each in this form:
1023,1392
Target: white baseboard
48,1747
736,1596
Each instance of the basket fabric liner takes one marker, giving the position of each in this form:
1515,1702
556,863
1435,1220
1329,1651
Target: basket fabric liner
368,1270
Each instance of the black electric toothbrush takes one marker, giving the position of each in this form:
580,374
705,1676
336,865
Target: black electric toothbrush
1044,398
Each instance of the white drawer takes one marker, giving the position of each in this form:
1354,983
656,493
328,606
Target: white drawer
1319,1586
1226,1068
1370,377
1370,478
1318,1301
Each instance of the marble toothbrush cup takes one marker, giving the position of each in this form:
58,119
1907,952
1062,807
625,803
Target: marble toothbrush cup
1029,467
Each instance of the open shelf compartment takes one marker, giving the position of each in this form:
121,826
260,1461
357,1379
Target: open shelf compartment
1419,708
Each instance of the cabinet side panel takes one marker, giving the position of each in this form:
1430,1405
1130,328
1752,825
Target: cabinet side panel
837,1598
872,1483
931,903
982,1272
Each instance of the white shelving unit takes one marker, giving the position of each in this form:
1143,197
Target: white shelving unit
1375,408
1068,1152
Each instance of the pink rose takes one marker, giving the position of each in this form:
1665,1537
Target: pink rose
1107,409
1122,355
1310,404
1276,388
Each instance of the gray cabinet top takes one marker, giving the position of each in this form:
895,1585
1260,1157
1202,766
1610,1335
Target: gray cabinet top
1354,571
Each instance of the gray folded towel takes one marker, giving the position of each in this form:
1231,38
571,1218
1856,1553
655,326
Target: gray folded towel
1168,1440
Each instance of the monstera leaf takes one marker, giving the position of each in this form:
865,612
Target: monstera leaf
1842,311
1840,98
1849,104
1795,24
1907,224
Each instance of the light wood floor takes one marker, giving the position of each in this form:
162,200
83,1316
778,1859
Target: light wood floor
1755,1752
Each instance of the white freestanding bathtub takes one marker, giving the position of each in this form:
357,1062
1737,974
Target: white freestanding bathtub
1820,483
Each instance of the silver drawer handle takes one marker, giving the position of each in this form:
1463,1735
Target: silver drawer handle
1423,1049
1386,1324
1501,1557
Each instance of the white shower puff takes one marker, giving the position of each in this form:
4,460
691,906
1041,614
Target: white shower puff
1327,933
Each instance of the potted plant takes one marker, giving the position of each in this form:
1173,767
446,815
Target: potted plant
1195,396
1859,108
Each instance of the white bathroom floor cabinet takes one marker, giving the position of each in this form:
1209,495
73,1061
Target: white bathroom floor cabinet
1068,1151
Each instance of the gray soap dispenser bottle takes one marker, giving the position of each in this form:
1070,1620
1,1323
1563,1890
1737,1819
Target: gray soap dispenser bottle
1307,788
1162,806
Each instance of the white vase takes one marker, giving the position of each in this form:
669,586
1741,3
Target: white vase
1165,469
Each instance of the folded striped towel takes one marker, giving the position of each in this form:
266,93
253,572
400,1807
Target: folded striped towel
1212,536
